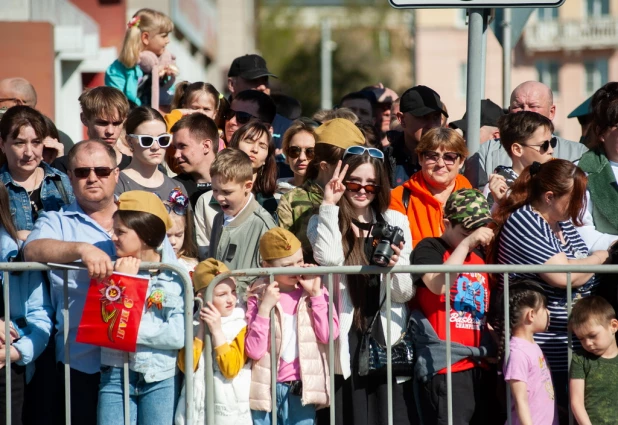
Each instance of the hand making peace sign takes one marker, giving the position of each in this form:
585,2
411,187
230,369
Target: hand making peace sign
334,189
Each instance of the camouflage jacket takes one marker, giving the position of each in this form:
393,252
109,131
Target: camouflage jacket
296,208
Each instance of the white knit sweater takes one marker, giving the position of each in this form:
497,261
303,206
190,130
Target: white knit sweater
325,237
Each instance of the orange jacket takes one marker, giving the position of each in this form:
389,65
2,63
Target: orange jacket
425,213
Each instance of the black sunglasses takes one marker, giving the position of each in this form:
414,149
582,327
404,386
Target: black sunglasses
295,151
356,187
544,147
242,118
449,158
84,172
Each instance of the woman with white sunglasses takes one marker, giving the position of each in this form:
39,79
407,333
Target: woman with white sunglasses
148,140
345,232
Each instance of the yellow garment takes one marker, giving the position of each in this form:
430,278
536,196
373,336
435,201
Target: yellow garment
172,118
230,357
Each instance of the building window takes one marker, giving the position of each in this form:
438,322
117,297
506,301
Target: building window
463,80
596,8
547,13
596,75
548,74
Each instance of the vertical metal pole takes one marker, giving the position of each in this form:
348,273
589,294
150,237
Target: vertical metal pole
389,354
327,66
125,388
208,365
477,22
273,362
188,312
67,361
7,335
506,58
569,337
449,378
507,343
331,346
486,13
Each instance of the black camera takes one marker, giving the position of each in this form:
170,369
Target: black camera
385,235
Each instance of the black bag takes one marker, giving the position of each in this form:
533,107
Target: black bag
372,354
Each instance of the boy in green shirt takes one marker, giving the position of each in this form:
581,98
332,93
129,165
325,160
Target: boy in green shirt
594,370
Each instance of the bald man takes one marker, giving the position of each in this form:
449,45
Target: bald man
16,91
529,96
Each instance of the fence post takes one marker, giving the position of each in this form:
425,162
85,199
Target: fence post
67,360
331,347
507,343
7,333
449,378
389,354
569,339
273,361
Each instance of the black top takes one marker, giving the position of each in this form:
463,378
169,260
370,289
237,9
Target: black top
194,190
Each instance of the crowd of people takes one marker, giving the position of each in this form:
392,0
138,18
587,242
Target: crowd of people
213,183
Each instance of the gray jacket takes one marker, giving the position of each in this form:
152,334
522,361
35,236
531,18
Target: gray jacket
430,351
491,154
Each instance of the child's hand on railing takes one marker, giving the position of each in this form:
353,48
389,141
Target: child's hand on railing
269,299
127,265
311,284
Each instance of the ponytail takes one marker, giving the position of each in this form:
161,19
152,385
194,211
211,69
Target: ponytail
144,20
179,95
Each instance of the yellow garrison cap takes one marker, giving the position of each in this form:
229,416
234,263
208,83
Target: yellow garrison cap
206,271
278,243
341,133
139,200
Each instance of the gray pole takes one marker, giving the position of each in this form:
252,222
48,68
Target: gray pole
506,58
477,22
484,53
327,66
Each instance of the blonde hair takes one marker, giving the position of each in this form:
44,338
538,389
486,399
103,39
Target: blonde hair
144,20
232,165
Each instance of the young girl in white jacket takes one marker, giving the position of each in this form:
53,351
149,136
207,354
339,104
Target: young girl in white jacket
355,200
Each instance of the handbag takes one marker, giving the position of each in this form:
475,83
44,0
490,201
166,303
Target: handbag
372,354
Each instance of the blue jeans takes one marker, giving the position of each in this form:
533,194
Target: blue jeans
150,403
290,410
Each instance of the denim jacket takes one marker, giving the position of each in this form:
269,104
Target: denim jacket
31,308
56,191
162,330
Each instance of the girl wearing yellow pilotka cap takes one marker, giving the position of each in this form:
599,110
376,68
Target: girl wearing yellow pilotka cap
139,228
232,374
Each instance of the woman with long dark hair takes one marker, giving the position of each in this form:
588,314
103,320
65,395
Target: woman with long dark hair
355,201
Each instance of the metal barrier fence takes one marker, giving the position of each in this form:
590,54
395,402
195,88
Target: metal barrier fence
7,268
386,273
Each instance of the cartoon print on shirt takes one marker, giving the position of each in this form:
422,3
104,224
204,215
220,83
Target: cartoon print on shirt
469,301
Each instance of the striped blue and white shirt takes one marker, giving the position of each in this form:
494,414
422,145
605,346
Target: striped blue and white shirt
527,238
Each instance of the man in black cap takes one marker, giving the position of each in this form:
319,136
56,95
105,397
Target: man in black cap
420,110
490,113
249,72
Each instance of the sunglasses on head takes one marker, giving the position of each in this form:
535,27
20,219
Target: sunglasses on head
84,172
356,187
145,141
242,118
544,147
360,150
295,151
449,158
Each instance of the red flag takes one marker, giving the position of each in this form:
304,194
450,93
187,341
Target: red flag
113,312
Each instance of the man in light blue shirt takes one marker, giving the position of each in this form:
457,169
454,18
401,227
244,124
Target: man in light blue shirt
80,232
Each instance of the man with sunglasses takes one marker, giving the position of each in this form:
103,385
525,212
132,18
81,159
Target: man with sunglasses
420,110
248,105
80,232
528,96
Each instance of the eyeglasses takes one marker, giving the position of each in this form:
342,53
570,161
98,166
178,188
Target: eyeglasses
145,141
360,150
84,172
242,118
449,158
544,147
356,187
295,151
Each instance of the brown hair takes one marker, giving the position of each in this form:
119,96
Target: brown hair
604,110
558,176
148,20
442,137
200,127
185,92
593,308
20,116
232,165
104,102
189,246
140,115
330,154
354,247
519,127
91,145
296,127
148,227
266,180
6,221
325,115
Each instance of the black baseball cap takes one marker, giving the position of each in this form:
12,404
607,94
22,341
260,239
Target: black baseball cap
490,114
249,67
421,101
